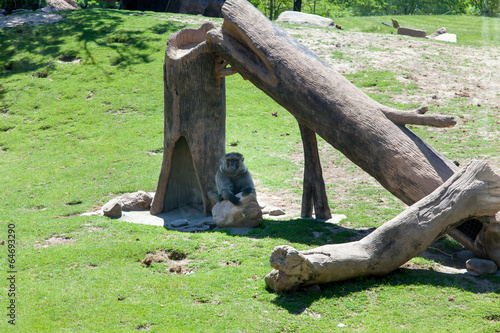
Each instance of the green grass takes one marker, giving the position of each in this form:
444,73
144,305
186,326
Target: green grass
74,135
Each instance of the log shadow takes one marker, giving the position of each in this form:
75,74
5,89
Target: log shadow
298,301
305,231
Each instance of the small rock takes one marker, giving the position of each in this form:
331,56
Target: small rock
179,223
96,213
465,255
336,218
3,11
481,266
246,214
315,288
275,211
112,209
136,201
262,205
62,4
438,32
49,9
471,273
452,38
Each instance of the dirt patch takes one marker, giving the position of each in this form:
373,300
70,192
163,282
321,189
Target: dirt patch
174,261
232,263
55,241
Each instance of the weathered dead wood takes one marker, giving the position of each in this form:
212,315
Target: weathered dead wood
370,134
418,117
195,118
314,192
327,103
472,192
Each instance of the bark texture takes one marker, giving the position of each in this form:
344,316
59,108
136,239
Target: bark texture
327,103
195,117
472,192
314,192
371,135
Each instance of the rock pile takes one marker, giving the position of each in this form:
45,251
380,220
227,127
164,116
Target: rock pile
136,201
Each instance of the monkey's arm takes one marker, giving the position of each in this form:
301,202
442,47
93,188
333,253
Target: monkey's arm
245,184
247,190
225,188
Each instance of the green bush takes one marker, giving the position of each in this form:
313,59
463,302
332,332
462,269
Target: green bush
10,5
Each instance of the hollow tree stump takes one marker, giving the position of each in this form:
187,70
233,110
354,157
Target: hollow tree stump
472,192
195,116
371,135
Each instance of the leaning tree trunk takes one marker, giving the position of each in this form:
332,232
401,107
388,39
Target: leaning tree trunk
370,134
474,191
195,118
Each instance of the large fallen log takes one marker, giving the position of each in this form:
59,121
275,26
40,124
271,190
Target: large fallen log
472,192
371,135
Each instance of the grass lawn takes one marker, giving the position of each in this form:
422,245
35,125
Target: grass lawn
81,121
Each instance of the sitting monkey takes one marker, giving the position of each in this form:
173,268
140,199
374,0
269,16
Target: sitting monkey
231,178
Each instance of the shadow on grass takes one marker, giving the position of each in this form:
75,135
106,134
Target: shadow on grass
316,233
304,231
40,45
298,301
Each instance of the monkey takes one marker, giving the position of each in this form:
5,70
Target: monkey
231,178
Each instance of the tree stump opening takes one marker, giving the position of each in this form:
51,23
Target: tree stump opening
184,188
195,122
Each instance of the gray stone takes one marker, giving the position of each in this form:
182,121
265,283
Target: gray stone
113,208
99,212
305,19
438,32
30,18
179,223
275,211
452,38
49,9
3,11
136,201
246,214
336,218
62,4
481,266
465,255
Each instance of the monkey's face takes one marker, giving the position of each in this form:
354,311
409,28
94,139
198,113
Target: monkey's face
232,165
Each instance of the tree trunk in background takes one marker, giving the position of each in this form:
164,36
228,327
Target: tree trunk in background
297,5
195,117
370,134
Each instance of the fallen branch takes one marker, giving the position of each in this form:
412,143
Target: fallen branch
472,192
418,117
